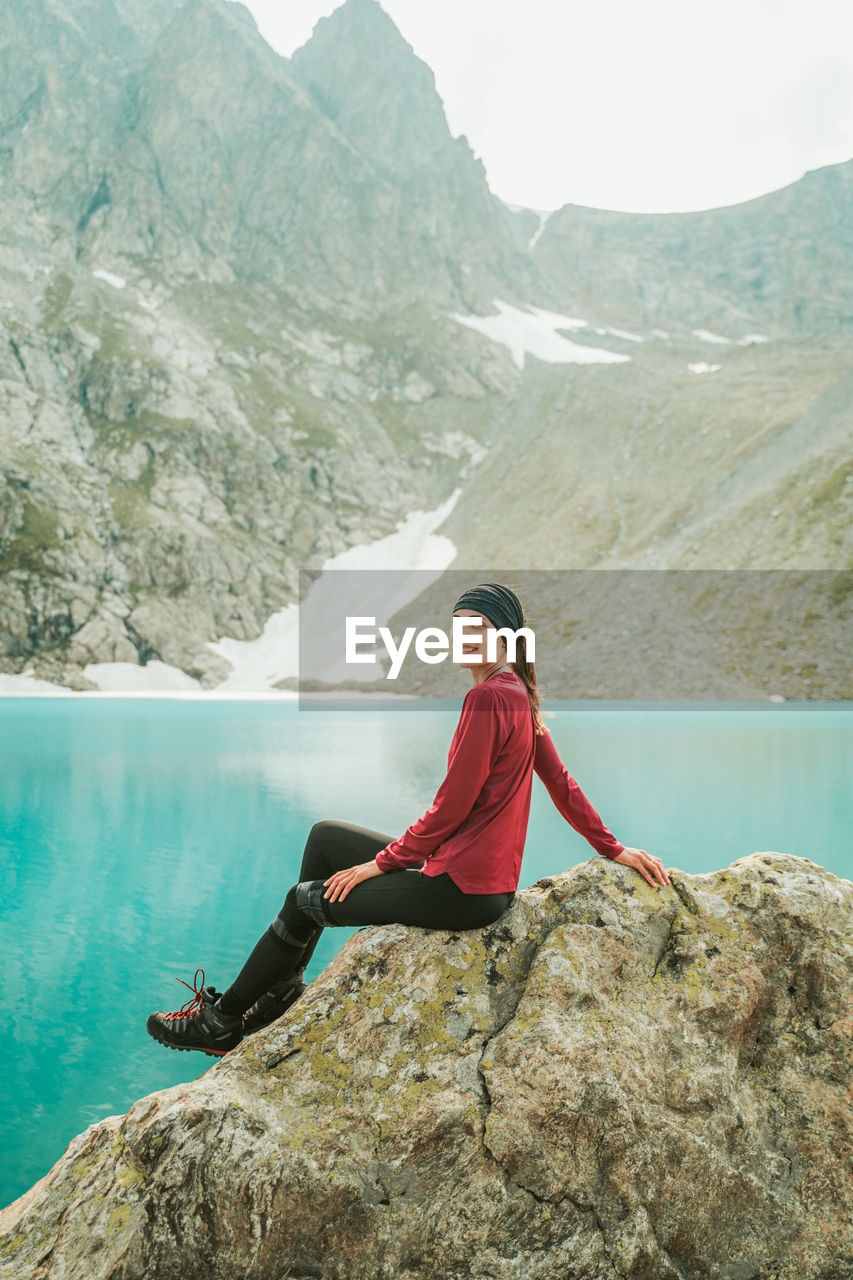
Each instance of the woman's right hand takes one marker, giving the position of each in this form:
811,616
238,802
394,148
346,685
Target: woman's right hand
644,863
341,882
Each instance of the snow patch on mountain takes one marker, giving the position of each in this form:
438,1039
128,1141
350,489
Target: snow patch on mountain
534,332
117,282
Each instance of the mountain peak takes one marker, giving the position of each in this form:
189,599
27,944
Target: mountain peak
366,77
365,15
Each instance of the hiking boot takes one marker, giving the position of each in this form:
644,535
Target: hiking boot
199,1024
273,1004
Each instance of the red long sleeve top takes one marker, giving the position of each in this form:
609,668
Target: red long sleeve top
476,826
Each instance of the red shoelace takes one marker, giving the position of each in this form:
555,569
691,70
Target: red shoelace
192,1006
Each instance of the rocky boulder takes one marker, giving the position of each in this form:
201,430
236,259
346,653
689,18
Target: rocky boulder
614,1080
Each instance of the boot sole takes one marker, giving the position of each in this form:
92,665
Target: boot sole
190,1048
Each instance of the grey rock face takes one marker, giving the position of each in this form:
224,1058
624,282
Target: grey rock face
614,1080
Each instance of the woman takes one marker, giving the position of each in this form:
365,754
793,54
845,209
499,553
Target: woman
456,868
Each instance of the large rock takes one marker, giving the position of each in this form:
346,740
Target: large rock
613,1080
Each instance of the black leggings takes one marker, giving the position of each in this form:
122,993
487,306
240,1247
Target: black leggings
396,897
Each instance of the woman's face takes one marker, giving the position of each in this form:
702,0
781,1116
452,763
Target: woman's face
475,643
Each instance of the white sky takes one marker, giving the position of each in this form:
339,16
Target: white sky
641,105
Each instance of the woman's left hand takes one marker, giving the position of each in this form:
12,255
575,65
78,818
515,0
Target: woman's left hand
341,882
644,863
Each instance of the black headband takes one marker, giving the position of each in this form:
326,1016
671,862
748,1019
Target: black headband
501,606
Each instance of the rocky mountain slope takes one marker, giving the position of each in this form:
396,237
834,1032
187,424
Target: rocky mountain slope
780,263
238,306
614,1080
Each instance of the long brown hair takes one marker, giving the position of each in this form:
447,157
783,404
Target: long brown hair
526,672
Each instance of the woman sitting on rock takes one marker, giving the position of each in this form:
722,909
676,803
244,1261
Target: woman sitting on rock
456,868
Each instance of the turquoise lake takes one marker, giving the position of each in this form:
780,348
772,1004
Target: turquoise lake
141,839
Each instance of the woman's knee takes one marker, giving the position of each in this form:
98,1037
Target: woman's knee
322,830
315,858
306,904
290,926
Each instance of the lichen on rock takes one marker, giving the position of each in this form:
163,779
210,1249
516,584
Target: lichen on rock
613,1080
